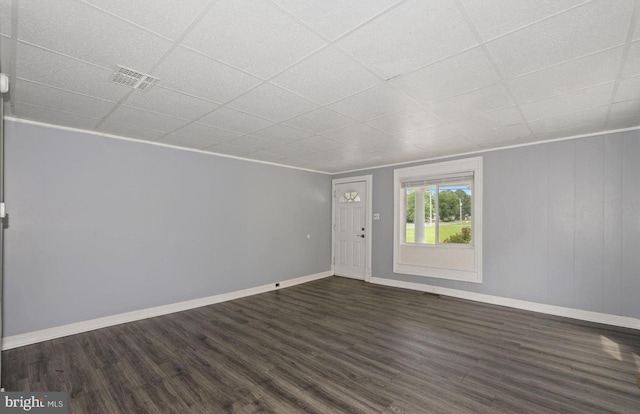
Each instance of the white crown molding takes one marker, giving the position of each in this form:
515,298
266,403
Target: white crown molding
443,157
605,318
29,338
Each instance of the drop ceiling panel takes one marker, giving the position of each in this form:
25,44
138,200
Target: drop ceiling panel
403,153
283,133
373,103
59,100
467,71
472,103
496,17
320,120
203,77
332,18
253,143
405,121
166,101
169,17
632,64
135,117
130,131
513,133
355,134
236,121
627,122
625,109
594,26
206,133
387,144
65,26
410,36
442,133
489,120
577,74
50,116
263,41
315,143
327,76
56,70
273,103
325,157
628,89
570,102
290,150
435,146
595,116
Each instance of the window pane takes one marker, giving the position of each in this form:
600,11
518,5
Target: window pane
420,215
409,215
454,206
349,197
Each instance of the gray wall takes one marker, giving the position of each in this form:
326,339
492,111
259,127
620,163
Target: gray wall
561,224
101,226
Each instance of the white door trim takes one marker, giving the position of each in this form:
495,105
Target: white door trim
368,179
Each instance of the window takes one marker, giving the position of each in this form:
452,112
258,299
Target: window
438,211
438,220
349,197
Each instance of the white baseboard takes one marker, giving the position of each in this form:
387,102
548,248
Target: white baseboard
615,320
29,338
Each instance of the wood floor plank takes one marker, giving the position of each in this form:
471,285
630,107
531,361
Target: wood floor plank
339,345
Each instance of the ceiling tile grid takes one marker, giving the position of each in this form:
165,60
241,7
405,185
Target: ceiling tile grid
200,135
169,17
54,69
333,18
271,102
326,77
81,31
596,25
328,85
252,35
203,77
409,36
494,18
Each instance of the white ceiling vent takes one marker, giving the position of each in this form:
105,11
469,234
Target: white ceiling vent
132,78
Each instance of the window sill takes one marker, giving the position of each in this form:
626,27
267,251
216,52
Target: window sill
438,273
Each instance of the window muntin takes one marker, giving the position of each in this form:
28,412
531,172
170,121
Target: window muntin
349,197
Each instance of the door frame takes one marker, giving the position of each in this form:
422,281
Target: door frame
368,179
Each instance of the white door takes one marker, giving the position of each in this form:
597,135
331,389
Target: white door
350,229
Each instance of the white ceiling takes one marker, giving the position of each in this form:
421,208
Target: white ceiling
328,85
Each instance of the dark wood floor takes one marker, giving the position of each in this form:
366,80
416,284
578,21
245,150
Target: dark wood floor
339,345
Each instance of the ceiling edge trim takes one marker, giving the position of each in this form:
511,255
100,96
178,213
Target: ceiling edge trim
158,144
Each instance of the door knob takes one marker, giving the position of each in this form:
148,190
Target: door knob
361,235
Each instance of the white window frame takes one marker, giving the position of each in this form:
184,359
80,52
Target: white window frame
469,256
